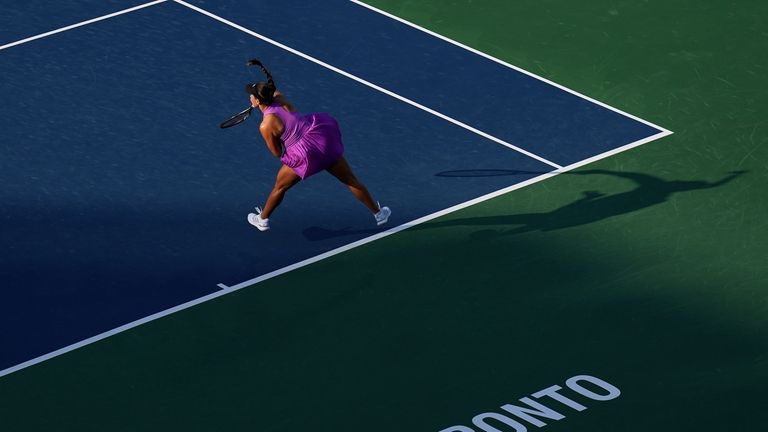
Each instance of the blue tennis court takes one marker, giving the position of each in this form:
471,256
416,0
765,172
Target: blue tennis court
122,198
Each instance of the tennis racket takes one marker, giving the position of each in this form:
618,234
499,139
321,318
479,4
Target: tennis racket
237,118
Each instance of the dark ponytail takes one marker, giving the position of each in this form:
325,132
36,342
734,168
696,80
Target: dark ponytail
263,91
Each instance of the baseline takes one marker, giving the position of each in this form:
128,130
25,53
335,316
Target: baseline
503,63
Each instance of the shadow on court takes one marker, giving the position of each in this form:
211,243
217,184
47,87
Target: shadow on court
316,233
486,173
320,233
593,206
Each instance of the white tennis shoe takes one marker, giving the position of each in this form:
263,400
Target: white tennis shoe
256,220
383,215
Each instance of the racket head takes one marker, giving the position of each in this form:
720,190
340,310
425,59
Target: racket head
237,118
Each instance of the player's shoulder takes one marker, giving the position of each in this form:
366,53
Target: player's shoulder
270,118
281,100
271,124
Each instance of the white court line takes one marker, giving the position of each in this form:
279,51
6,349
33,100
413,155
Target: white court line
90,21
503,63
369,84
228,289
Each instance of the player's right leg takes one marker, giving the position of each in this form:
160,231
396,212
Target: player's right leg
286,178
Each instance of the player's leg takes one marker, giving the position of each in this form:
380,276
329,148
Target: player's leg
342,171
286,178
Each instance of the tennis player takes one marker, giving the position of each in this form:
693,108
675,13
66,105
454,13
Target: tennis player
306,145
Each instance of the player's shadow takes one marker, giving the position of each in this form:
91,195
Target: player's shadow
593,206
486,173
316,233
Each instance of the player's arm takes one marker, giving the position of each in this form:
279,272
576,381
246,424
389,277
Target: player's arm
271,128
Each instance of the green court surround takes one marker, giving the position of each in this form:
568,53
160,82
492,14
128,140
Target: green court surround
662,290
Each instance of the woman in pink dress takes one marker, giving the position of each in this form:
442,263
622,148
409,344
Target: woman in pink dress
306,144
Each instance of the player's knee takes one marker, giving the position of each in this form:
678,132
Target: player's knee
280,189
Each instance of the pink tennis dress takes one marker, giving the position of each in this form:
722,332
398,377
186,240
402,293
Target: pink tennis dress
312,141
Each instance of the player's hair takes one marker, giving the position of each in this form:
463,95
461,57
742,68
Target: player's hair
264,91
